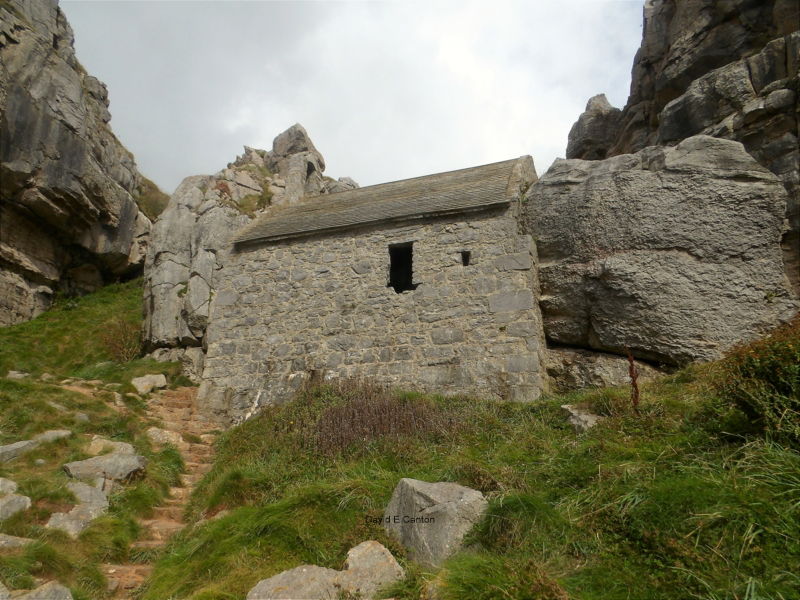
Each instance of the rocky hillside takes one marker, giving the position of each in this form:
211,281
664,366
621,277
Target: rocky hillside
69,219
190,240
726,69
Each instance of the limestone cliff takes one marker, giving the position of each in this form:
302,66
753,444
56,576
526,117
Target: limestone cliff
725,69
68,217
190,241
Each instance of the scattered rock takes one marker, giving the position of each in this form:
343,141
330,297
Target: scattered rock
12,451
111,466
11,542
431,519
162,436
52,435
147,383
17,375
57,406
580,419
92,503
100,444
369,567
49,591
46,377
40,462
81,417
12,504
4,593
7,486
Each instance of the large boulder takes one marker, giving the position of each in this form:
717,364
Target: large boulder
727,69
431,519
48,591
572,369
92,503
671,252
369,567
68,220
11,504
115,466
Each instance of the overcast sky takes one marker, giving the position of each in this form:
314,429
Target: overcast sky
386,89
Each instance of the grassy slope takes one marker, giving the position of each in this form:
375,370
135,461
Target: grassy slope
660,505
66,341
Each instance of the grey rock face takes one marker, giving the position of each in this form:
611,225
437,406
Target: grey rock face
12,504
48,591
595,130
109,466
147,383
52,435
577,369
7,486
672,252
189,244
726,69
17,375
431,519
163,437
68,219
369,567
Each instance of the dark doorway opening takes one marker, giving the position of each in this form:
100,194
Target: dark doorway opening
466,256
401,267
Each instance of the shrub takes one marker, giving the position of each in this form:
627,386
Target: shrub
762,379
122,339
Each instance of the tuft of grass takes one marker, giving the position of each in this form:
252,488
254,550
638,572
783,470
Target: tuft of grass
150,199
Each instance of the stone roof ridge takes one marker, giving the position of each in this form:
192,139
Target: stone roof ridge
462,190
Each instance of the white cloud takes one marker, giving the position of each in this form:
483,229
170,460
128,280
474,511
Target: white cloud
387,90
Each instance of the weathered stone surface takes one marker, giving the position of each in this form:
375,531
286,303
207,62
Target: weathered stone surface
577,369
68,220
10,542
92,503
581,420
12,451
595,130
52,435
100,445
147,383
48,591
17,375
369,567
11,504
464,329
191,360
431,519
190,242
727,69
110,466
162,436
673,252
7,486
4,593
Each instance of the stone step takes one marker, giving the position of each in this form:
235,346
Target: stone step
170,512
172,403
161,529
178,494
198,467
148,544
190,479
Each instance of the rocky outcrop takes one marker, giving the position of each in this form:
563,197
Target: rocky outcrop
68,217
727,69
595,130
431,519
190,240
369,567
115,466
672,252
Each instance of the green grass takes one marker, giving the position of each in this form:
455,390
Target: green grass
656,505
67,341
150,199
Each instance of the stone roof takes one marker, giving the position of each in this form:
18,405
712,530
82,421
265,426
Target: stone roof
452,192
